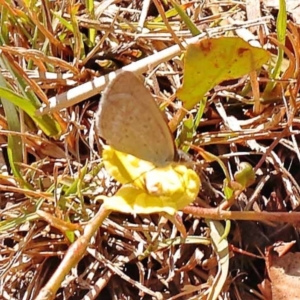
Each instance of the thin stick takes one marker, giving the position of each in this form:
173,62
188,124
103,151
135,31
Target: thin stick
218,214
74,254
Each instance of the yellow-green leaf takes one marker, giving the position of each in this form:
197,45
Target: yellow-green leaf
213,60
245,176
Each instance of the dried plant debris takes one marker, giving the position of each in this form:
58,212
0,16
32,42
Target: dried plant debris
82,220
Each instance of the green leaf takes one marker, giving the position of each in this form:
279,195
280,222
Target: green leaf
281,24
173,12
186,19
14,142
187,133
228,191
69,233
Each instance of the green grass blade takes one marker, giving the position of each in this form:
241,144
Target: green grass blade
44,122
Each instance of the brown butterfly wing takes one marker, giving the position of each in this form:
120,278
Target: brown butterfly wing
130,121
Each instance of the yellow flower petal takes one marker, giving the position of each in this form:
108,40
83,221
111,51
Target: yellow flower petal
148,189
124,167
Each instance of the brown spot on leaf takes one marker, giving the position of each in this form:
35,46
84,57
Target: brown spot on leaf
240,51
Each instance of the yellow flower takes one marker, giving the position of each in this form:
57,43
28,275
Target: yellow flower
147,188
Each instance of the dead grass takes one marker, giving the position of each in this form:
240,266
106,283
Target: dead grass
48,190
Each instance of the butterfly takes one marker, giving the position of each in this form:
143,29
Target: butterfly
130,121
